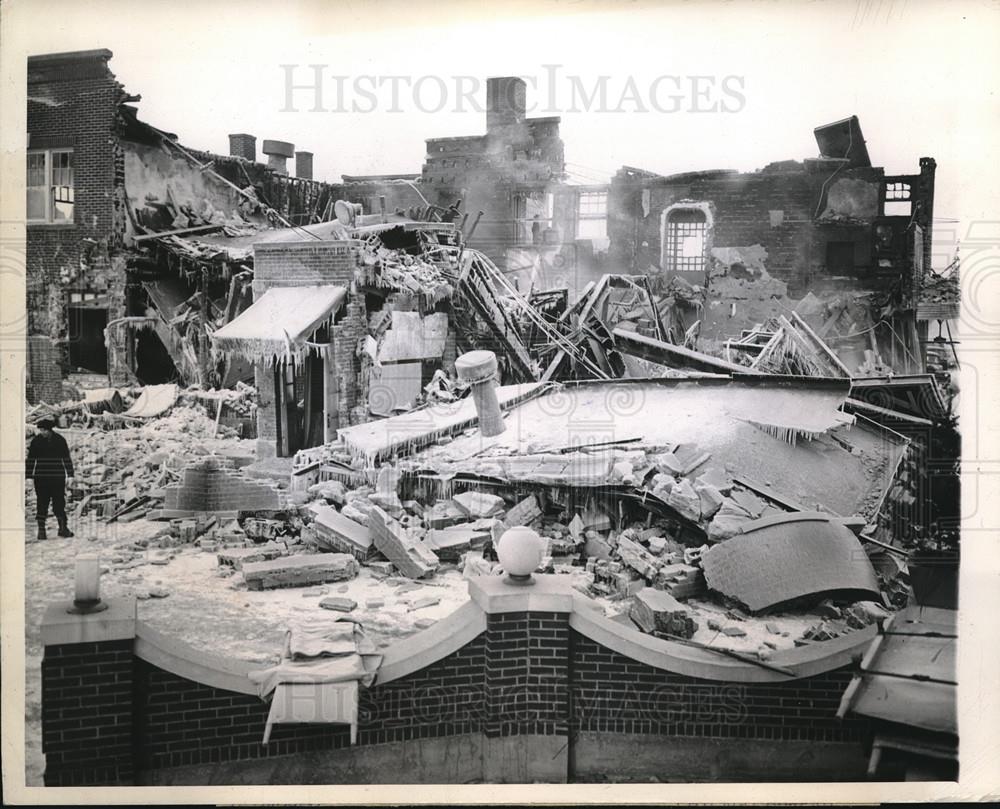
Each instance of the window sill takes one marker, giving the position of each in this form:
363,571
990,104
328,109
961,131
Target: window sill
50,225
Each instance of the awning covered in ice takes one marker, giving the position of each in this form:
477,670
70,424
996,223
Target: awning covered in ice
278,324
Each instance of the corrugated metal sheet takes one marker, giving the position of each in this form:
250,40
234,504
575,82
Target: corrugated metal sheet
781,558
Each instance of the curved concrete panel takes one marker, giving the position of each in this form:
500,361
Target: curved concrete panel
436,642
193,664
689,661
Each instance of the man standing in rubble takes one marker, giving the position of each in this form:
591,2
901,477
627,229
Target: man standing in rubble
49,466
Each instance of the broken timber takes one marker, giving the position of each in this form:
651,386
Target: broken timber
648,348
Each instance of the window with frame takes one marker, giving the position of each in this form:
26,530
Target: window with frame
687,237
592,215
897,191
50,186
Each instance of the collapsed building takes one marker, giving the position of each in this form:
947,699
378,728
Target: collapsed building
730,442
840,241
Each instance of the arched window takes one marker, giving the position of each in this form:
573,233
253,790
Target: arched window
685,240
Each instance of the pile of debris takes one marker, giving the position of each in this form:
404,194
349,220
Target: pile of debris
125,459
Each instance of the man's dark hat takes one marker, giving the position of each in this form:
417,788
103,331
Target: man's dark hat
47,424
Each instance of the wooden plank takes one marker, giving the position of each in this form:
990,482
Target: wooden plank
180,232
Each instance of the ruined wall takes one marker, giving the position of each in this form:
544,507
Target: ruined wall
72,103
295,198
307,264
792,210
516,156
151,170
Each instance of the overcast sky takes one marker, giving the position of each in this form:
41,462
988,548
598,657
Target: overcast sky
920,76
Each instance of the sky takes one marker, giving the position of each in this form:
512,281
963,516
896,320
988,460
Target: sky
920,76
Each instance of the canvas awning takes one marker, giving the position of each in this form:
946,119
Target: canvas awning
279,323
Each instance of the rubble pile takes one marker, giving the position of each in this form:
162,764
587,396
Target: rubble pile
123,465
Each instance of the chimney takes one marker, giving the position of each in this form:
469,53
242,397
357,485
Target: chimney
505,101
243,145
304,165
278,152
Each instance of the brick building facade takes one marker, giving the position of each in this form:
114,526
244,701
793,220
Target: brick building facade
75,272
97,178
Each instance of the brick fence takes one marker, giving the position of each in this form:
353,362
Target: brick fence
521,684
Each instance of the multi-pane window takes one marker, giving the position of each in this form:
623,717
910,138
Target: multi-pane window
897,191
687,232
592,215
50,186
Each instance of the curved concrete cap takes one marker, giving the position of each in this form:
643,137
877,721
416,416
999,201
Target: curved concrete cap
704,664
491,595
778,559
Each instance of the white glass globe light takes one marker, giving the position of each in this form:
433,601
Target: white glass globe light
520,552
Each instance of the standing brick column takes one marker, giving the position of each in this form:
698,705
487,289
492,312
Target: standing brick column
87,695
526,680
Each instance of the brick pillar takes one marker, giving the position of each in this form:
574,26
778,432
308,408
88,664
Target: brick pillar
526,678
87,695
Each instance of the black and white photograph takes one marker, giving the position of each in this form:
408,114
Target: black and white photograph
585,398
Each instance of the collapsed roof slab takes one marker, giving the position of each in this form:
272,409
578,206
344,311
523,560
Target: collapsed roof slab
777,559
737,422
409,432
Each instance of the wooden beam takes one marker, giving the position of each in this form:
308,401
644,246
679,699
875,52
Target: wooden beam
180,232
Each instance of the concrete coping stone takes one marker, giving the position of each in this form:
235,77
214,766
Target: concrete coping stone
432,644
197,665
117,622
548,593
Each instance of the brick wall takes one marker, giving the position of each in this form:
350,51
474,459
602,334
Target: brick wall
72,103
741,204
311,263
445,698
108,718
304,263
180,722
87,713
44,382
614,693
214,485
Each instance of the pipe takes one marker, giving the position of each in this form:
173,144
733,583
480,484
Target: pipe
475,222
479,369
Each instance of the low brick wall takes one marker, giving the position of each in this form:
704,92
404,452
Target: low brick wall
521,684
215,485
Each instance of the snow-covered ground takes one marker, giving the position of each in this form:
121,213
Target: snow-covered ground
203,608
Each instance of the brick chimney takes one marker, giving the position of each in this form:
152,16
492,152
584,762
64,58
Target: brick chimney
505,101
243,145
278,152
304,165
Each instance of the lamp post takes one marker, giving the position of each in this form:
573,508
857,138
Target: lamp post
87,586
520,551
